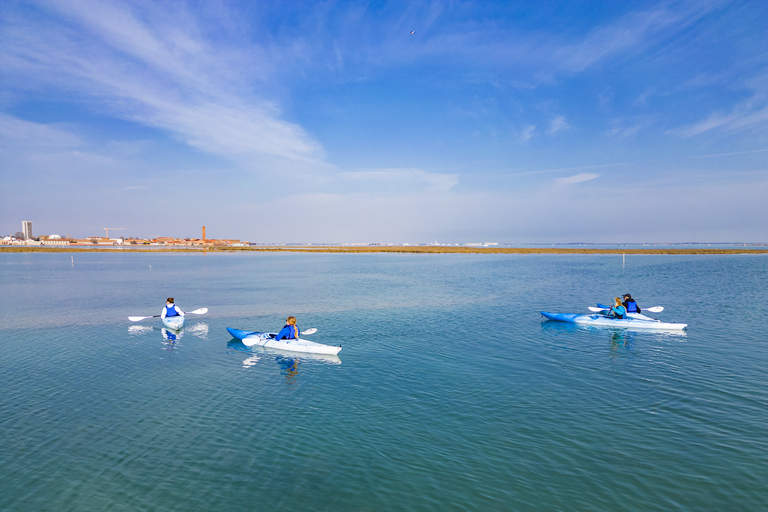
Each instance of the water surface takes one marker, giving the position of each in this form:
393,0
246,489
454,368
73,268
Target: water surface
450,392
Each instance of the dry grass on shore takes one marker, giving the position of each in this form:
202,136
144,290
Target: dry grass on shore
411,249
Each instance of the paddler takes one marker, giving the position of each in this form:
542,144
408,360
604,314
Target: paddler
630,304
171,309
618,310
290,331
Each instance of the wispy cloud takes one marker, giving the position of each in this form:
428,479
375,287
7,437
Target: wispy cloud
732,153
576,178
557,124
527,133
630,33
158,70
749,114
624,128
742,118
579,168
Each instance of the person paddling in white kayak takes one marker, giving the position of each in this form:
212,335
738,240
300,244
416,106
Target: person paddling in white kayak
170,309
290,331
630,304
618,310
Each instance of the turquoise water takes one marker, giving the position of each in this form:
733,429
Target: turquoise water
450,392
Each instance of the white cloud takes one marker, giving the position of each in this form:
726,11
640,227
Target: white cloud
630,33
557,124
742,118
165,75
732,153
576,178
528,133
623,129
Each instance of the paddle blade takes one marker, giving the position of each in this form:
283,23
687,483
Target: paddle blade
654,309
137,318
200,311
309,331
250,341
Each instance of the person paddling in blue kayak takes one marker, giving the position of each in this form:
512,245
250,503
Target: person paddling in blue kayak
618,310
290,331
171,309
630,304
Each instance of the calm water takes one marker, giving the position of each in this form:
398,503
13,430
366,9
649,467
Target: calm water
450,393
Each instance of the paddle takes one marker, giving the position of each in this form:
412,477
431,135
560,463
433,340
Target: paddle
654,309
200,311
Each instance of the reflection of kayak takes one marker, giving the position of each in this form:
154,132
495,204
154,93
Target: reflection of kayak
602,321
266,339
174,322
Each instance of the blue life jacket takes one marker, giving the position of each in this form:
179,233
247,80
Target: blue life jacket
288,332
619,311
631,306
170,311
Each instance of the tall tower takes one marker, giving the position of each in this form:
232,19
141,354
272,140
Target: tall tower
26,228
203,233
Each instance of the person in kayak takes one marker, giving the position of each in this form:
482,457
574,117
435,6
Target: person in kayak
171,309
618,310
290,331
630,304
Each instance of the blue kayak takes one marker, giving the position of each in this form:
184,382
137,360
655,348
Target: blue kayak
604,321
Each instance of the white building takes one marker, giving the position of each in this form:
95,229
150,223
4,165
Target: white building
26,228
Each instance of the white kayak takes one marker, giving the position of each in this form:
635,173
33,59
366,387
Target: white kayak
603,321
640,316
257,351
267,339
174,322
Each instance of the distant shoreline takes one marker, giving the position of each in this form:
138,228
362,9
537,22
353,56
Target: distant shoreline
417,249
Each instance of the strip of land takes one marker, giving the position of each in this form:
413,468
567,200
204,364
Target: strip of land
412,249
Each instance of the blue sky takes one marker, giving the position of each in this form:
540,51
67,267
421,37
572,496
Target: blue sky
509,122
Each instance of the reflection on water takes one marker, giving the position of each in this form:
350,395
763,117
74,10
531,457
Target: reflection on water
288,362
247,363
200,330
621,337
170,338
136,330
290,366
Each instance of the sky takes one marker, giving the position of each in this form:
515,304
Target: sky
386,122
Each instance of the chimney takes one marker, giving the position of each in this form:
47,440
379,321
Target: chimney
203,233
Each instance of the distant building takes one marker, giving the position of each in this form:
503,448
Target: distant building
54,241
26,228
